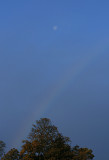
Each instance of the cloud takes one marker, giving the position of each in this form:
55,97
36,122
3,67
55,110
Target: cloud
55,28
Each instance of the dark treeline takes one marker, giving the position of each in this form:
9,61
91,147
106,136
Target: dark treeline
46,143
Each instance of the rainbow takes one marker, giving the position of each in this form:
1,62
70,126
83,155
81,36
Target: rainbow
71,74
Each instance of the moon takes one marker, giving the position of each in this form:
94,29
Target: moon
55,28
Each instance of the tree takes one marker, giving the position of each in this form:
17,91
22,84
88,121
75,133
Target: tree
13,154
2,147
82,153
46,142
60,149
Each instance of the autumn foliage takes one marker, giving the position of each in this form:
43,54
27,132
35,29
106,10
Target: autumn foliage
46,143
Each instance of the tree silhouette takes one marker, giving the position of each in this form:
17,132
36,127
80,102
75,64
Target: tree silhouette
2,147
82,153
45,142
13,154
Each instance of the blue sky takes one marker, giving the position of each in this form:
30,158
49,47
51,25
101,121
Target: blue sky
54,63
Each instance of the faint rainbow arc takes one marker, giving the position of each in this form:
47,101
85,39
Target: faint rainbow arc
70,74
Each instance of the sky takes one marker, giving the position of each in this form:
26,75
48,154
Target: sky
54,63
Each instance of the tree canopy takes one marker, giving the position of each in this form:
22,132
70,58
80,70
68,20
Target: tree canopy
45,142
2,147
13,154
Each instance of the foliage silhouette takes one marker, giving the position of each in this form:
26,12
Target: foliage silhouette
2,147
45,142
